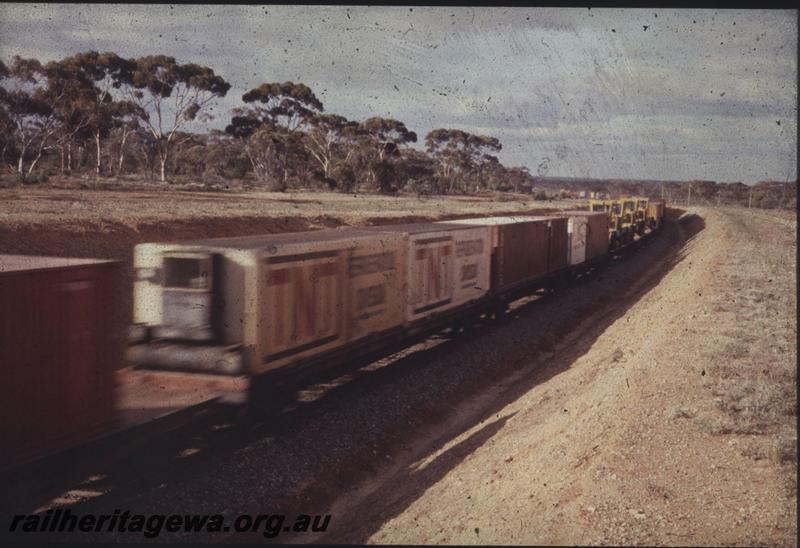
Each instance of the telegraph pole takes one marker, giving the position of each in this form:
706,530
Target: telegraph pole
750,198
689,196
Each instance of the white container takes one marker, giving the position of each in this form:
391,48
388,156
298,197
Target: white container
577,227
448,266
283,297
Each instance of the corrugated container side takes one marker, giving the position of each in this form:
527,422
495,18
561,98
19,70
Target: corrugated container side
473,251
524,253
301,306
447,265
656,209
61,340
596,232
510,262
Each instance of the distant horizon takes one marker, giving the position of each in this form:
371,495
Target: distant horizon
658,181
639,94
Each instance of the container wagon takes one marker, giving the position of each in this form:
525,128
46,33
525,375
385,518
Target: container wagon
284,303
448,266
258,303
588,235
555,243
61,339
519,254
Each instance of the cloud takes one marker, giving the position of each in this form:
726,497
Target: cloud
686,97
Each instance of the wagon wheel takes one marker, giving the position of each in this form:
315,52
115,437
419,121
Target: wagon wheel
500,312
463,327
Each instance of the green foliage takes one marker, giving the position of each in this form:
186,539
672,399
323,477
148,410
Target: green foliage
384,174
191,88
387,132
344,177
285,105
462,157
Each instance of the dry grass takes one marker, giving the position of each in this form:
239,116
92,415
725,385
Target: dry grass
682,412
753,379
33,205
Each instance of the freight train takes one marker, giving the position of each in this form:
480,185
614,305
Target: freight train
278,307
269,312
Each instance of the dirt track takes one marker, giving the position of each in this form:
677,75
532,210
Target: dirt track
644,404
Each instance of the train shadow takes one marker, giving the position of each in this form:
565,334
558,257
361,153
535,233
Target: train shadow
324,416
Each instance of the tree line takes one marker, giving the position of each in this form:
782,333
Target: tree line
103,113
106,115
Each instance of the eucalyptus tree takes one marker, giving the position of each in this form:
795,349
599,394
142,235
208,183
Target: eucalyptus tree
488,174
270,126
74,107
126,119
27,106
326,137
171,95
384,136
6,125
224,158
96,79
459,153
415,170
519,178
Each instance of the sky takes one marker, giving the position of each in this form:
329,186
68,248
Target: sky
570,92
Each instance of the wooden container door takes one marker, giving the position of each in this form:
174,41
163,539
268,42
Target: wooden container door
300,303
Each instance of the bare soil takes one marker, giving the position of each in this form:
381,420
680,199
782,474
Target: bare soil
48,206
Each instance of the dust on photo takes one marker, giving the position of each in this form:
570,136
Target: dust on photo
444,275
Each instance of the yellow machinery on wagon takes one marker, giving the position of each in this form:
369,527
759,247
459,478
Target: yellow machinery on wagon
640,217
629,216
620,219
